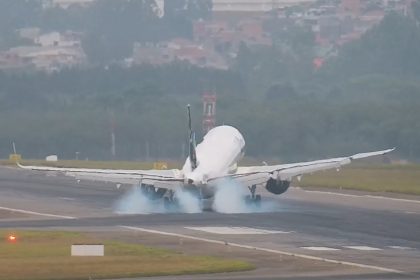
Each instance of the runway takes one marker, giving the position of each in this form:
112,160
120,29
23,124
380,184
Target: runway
345,235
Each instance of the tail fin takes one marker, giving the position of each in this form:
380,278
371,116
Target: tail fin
192,143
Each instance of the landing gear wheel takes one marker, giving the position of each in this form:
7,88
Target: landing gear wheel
167,203
248,200
253,199
257,200
170,202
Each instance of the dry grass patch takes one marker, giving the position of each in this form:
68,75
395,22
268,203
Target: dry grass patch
375,178
46,255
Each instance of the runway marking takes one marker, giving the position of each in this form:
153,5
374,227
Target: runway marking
400,247
36,213
236,230
66,198
363,248
320,248
285,253
366,195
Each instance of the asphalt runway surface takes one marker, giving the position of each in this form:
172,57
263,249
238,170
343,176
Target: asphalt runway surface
319,234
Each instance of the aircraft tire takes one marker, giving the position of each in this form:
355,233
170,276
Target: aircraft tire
248,200
167,203
257,200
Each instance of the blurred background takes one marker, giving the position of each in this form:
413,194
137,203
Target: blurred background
301,79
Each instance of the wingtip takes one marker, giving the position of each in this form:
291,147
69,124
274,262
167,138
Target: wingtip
389,150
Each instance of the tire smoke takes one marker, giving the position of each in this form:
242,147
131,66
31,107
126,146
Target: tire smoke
188,203
230,198
134,201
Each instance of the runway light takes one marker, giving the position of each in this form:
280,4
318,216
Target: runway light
12,238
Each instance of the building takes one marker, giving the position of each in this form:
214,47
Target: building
65,3
46,58
254,6
177,49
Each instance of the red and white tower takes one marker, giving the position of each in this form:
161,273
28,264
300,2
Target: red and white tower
209,111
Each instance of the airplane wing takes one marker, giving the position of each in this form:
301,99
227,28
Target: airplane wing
256,175
170,179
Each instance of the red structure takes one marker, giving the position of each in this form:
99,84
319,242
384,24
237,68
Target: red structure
209,111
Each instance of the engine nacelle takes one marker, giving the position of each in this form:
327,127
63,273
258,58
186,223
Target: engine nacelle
277,186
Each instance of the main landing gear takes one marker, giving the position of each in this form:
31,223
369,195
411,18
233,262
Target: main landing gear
253,199
151,192
170,202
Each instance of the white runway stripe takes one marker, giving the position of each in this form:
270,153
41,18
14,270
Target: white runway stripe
280,252
313,248
36,213
235,230
400,247
363,248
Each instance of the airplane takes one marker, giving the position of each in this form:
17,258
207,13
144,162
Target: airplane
209,163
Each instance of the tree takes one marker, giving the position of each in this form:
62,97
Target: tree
416,9
174,8
107,40
199,9
280,92
390,48
15,15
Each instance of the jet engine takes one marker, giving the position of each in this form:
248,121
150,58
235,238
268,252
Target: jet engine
277,186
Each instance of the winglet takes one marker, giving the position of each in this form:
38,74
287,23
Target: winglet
370,154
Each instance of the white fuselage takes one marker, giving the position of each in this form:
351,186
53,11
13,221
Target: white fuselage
217,154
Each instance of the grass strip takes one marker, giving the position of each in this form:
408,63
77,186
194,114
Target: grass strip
46,255
373,178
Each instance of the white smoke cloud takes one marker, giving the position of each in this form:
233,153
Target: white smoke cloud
230,198
188,203
134,201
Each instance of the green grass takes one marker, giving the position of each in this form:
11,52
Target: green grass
46,255
374,178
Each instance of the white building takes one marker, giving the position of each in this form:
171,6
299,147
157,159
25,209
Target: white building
66,39
65,3
254,6
49,58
